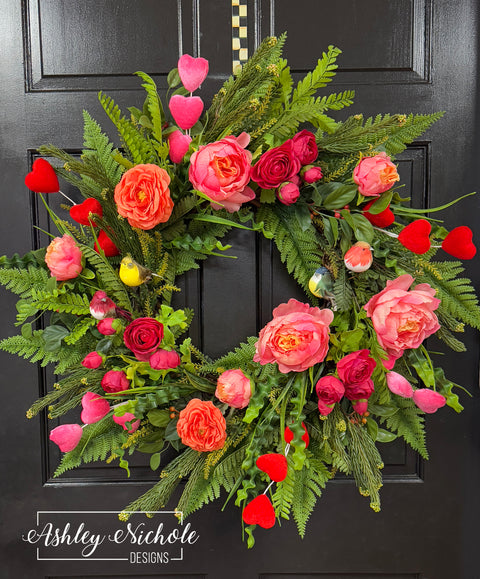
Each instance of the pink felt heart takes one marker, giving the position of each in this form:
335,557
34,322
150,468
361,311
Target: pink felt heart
192,71
42,178
126,421
80,213
459,243
260,511
186,110
179,144
275,465
67,436
415,236
94,408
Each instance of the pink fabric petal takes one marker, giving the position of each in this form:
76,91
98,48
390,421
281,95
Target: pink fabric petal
192,71
186,110
67,436
399,385
428,400
94,408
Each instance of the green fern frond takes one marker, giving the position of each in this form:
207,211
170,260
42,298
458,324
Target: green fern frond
240,357
32,349
70,303
337,101
322,74
408,422
412,127
283,497
80,328
22,281
154,105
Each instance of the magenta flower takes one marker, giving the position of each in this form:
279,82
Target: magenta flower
67,436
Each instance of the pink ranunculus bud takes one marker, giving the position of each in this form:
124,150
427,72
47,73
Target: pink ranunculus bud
329,391
428,400
311,174
105,327
305,147
234,388
115,381
92,361
67,436
64,258
399,385
360,406
127,417
179,144
164,360
288,193
375,175
101,306
94,408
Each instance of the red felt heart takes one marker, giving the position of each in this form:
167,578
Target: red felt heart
105,243
415,236
288,435
382,219
275,465
459,243
260,511
80,213
185,110
192,71
42,178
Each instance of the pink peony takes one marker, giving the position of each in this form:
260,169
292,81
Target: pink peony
329,391
402,319
67,436
276,166
105,327
92,361
101,306
64,258
305,147
115,381
428,401
399,385
221,171
127,417
296,338
94,408
234,388
288,193
375,175
164,360
311,174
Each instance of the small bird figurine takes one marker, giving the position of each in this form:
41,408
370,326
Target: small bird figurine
132,273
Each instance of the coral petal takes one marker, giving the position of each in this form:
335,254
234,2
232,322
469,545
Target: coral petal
274,465
185,110
260,511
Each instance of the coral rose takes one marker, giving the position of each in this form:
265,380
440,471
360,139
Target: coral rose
221,171
402,319
329,391
64,258
296,338
234,388
375,175
143,196
143,337
201,426
276,166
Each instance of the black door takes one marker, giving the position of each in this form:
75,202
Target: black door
400,56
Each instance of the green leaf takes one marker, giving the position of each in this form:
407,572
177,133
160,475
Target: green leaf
372,428
385,435
171,433
381,203
302,215
267,196
362,229
155,460
384,410
173,78
53,336
159,417
340,196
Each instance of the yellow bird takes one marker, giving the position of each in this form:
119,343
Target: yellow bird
132,273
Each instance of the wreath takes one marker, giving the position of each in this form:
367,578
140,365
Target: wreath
327,381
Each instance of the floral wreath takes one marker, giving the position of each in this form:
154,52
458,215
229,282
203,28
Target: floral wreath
326,381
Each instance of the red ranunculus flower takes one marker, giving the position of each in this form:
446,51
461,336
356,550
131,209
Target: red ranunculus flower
305,147
276,166
143,337
115,381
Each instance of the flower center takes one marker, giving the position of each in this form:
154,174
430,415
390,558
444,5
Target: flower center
141,195
409,326
389,175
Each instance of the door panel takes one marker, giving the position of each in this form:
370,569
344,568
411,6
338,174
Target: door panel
403,56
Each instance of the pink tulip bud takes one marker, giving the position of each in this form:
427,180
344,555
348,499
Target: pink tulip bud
399,385
101,305
428,400
67,436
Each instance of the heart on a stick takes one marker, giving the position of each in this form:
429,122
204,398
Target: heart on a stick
459,243
42,178
179,144
416,236
185,110
80,213
275,465
260,512
94,408
192,71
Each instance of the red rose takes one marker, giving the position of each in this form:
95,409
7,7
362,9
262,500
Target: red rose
143,337
305,147
355,369
115,381
329,391
276,166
